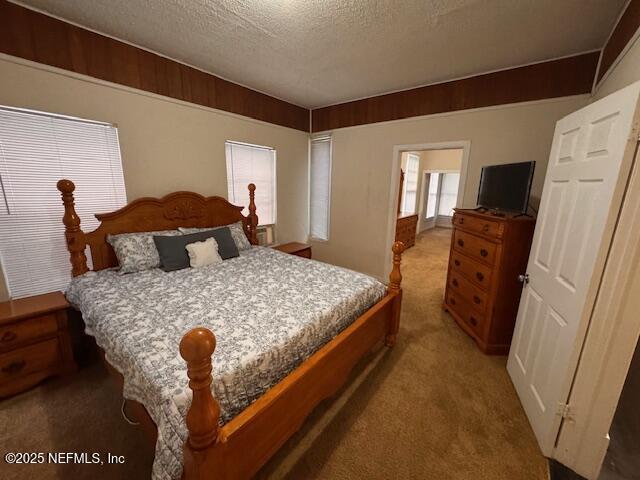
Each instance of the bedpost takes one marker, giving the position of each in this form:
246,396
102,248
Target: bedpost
74,235
253,218
196,347
395,279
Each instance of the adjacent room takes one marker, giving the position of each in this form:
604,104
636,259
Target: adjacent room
319,239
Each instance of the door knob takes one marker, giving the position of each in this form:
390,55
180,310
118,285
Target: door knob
523,278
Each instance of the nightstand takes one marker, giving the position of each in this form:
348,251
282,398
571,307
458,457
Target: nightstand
34,341
295,248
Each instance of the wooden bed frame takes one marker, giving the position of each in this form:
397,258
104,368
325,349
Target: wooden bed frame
238,449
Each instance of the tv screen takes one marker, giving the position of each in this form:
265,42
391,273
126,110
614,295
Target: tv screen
506,187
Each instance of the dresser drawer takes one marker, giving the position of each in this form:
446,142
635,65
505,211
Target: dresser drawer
27,330
33,358
469,292
479,225
478,273
462,309
475,247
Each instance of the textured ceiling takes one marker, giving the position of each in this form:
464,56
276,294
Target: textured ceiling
320,52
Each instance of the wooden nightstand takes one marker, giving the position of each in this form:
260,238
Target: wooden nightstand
34,341
295,248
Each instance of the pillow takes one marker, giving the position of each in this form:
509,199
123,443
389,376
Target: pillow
204,253
137,251
173,250
237,232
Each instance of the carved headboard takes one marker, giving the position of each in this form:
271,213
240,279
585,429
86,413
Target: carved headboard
178,209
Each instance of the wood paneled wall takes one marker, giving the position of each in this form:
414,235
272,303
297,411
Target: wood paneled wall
622,34
38,37
557,78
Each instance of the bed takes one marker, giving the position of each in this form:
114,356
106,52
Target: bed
288,331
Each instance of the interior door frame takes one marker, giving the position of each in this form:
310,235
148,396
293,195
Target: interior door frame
396,160
609,345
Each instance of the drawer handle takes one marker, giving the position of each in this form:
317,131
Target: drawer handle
14,367
455,282
473,321
479,276
461,221
8,337
461,242
485,228
476,299
483,252
457,262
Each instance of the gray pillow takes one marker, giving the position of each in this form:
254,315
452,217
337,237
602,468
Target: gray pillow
173,250
237,232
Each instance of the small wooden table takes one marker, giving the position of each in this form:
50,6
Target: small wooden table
34,341
295,248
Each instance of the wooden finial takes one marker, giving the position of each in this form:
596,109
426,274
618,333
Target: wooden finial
75,236
395,277
253,218
196,347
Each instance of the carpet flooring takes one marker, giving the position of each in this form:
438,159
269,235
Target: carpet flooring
433,407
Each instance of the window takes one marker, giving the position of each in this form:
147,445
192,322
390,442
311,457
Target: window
432,197
320,188
36,150
448,194
252,164
410,183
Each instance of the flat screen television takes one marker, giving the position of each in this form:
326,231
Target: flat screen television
506,187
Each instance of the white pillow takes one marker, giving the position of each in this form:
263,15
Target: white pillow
204,253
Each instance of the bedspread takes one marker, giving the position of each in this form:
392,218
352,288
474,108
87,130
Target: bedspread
269,311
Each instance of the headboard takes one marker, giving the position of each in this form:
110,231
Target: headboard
178,209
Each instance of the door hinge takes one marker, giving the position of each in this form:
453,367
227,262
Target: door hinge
565,411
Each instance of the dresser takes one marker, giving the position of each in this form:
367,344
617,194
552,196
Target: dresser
406,226
34,341
295,248
488,253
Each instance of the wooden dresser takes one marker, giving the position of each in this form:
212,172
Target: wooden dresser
34,341
488,253
406,226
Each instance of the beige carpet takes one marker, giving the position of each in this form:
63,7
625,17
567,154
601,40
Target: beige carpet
433,407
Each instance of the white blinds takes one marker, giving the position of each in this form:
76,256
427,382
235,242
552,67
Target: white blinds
252,164
448,194
320,188
37,150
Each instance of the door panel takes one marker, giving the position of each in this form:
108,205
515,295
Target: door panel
588,167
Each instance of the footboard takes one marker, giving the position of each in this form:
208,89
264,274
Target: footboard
242,446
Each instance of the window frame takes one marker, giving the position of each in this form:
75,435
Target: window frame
318,138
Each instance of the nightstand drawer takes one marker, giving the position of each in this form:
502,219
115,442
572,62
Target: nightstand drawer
33,358
476,247
19,333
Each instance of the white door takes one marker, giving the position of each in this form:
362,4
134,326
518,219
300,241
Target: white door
589,163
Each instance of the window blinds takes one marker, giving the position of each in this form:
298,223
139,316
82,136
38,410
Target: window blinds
320,188
252,164
37,150
448,194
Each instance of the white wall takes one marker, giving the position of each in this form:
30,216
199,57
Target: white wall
624,73
362,166
166,145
